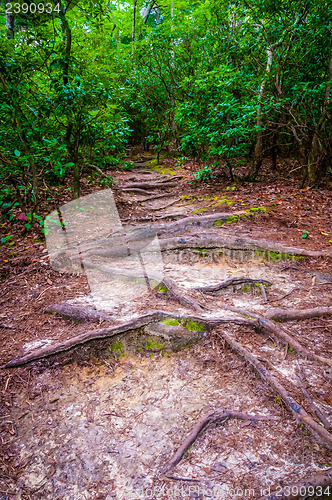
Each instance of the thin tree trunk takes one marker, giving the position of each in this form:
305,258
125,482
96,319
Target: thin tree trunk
134,21
258,155
317,153
72,150
10,23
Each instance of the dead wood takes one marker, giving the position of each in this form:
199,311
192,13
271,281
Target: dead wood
77,313
308,487
298,412
232,282
108,332
278,314
202,424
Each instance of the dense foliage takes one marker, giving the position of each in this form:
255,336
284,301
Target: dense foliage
228,82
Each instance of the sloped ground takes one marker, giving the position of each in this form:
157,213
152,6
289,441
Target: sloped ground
101,421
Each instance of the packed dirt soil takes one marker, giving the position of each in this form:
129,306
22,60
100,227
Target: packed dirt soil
211,380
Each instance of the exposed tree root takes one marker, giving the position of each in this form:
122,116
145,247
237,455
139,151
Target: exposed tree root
216,416
149,185
135,190
314,408
298,412
191,223
263,324
171,286
166,206
232,282
108,332
278,314
311,487
158,196
77,313
234,243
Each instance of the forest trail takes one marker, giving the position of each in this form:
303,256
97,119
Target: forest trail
100,407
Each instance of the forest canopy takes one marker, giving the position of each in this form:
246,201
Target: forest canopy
228,82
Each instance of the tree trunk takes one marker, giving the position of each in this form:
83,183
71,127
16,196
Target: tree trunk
134,21
258,155
71,148
317,153
10,23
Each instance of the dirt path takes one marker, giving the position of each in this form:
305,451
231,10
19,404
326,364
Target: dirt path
103,419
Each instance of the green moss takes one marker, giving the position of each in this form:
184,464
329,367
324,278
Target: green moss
258,209
199,210
219,223
233,218
151,344
193,326
117,349
162,288
246,288
271,256
171,322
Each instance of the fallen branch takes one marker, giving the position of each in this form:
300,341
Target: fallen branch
309,487
202,424
108,332
77,313
278,314
298,412
232,282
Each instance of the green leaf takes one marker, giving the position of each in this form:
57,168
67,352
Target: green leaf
17,153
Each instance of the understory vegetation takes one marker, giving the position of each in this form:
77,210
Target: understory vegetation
226,82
